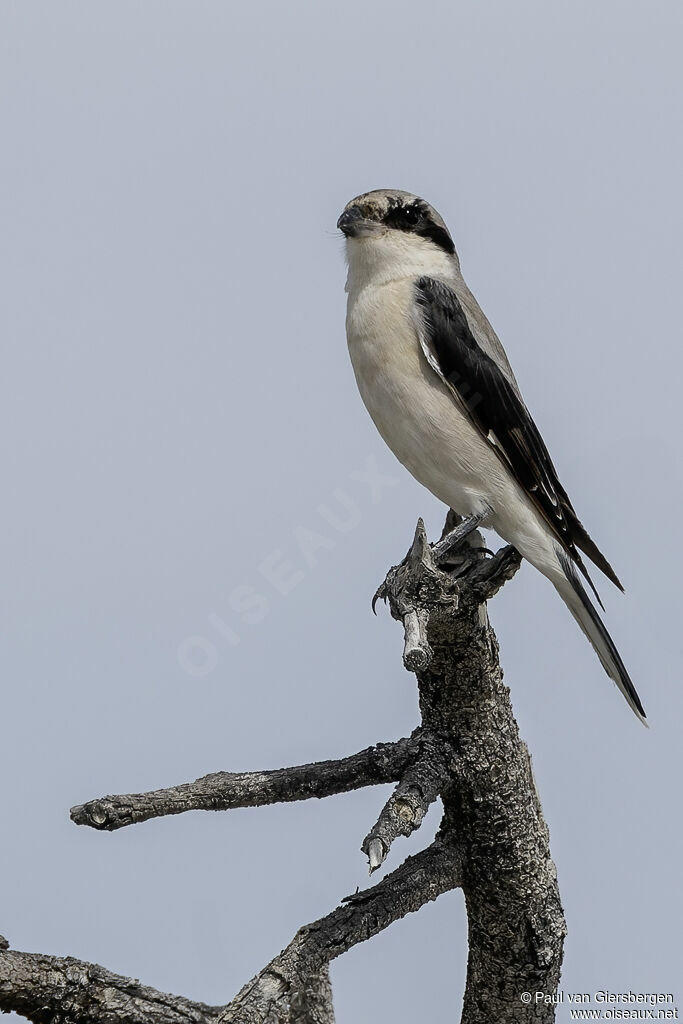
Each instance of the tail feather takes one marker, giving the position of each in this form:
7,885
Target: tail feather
586,543
577,600
590,548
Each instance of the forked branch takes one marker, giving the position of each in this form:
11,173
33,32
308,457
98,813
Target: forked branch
420,879
493,841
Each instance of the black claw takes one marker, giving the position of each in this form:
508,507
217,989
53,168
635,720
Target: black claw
381,592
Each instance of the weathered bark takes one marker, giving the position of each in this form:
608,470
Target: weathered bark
493,841
224,791
268,996
516,924
61,989
491,807
420,785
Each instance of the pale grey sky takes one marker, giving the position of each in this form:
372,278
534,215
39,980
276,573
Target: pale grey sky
177,405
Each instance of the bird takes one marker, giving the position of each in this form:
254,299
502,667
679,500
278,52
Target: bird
439,387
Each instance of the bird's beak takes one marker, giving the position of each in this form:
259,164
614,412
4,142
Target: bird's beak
354,225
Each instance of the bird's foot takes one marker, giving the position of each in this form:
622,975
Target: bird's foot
420,584
445,550
454,538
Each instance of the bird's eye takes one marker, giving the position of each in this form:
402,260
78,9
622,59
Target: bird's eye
411,215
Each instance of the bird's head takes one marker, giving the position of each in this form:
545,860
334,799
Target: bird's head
394,230
375,214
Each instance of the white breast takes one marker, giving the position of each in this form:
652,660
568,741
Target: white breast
412,408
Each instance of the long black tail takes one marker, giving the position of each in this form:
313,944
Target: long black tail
573,593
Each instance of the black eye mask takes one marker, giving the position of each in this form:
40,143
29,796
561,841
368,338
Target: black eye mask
415,219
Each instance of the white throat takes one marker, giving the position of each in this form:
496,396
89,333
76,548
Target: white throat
380,258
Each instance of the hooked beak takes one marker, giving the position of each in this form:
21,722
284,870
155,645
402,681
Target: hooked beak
354,225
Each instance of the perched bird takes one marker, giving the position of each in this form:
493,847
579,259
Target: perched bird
438,385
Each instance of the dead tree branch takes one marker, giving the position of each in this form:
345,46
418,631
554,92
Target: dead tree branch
50,988
493,840
268,996
403,812
225,791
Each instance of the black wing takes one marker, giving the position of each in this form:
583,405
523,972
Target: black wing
496,408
